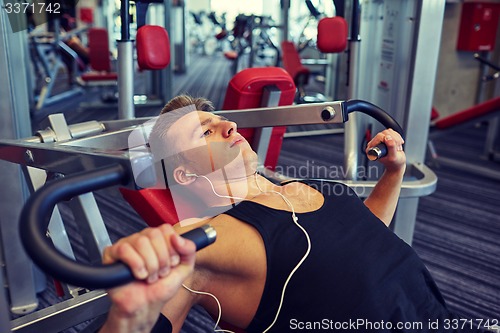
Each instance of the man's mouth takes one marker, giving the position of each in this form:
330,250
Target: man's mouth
239,139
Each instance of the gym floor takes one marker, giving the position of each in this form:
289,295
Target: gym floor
458,227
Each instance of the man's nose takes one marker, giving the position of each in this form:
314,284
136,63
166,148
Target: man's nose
228,127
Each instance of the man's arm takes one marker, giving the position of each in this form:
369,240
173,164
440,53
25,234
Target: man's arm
383,200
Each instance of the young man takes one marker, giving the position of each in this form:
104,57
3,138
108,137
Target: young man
306,255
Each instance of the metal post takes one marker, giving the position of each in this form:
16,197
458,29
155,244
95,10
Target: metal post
125,67
285,12
401,41
4,307
270,97
423,78
167,73
14,123
351,142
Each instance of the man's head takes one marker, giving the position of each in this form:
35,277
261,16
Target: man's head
185,140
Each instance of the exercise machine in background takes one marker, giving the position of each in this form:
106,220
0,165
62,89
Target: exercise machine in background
54,56
253,43
331,38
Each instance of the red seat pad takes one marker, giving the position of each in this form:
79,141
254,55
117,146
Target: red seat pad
245,92
99,49
155,206
332,34
292,63
231,55
153,47
471,113
99,76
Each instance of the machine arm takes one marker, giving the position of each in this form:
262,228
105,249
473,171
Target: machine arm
378,114
35,218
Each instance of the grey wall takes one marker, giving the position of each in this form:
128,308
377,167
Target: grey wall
458,75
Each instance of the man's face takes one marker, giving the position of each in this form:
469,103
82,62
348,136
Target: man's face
209,142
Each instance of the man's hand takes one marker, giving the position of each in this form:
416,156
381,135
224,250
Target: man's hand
395,160
160,260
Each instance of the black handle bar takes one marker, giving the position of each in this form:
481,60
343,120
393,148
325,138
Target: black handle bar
35,218
377,113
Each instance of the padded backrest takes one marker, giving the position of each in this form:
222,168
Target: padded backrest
153,47
245,92
292,63
332,34
99,55
155,206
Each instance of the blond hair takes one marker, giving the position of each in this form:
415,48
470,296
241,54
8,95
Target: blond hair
200,103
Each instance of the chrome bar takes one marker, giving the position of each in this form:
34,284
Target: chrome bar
63,315
303,114
419,181
126,108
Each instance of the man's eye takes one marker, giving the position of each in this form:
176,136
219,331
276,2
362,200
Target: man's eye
207,133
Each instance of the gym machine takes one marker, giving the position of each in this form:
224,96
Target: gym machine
252,40
109,147
426,49
98,155
161,78
47,50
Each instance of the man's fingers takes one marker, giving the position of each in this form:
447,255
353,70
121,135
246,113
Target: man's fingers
184,247
161,249
128,254
153,253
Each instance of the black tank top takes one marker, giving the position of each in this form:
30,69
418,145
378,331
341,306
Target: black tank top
359,276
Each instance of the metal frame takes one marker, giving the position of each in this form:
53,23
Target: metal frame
404,47
14,123
86,153
270,98
421,81
64,315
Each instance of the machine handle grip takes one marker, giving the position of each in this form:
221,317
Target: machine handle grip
373,111
35,218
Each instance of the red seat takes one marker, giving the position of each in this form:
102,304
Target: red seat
153,47
99,57
332,34
293,65
98,76
245,92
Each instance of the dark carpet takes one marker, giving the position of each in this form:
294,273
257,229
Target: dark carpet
457,232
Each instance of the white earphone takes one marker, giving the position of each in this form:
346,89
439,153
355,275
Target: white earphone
295,220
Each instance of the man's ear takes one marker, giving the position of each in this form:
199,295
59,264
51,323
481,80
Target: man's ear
180,176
